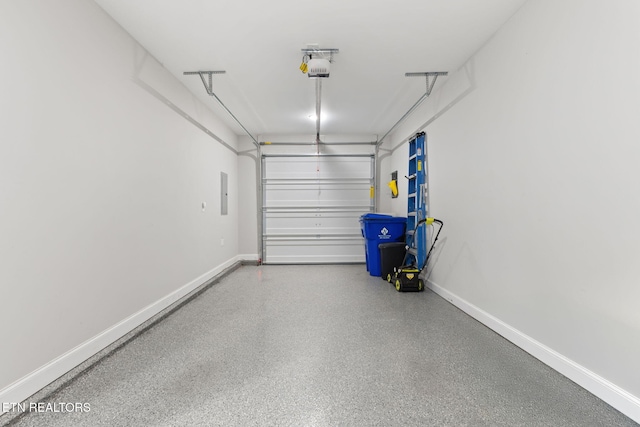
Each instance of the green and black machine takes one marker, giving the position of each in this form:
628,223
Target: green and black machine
406,278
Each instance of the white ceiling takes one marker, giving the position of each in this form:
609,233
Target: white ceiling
258,43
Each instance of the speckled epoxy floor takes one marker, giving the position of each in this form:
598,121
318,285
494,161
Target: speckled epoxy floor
322,346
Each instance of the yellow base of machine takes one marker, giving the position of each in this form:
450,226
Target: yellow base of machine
406,280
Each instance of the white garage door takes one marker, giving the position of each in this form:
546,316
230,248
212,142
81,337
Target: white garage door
312,206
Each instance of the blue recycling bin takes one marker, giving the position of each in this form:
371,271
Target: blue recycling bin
377,229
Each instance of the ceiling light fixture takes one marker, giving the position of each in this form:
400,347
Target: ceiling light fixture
314,116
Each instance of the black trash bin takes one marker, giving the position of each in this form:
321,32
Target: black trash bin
391,256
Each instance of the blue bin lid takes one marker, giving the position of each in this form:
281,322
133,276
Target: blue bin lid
374,216
396,219
382,217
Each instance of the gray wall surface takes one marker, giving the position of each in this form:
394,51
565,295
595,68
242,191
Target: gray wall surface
102,185
533,162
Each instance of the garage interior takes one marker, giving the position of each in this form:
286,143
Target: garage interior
179,198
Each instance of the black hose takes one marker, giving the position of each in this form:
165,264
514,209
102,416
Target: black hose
415,230
434,240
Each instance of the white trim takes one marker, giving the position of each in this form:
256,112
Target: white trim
248,257
615,396
41,377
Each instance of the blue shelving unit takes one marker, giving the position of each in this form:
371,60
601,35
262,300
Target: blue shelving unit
417,208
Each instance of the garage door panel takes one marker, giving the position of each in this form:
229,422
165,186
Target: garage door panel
313,230
346,198
314,251
294,168
319,223
312,208
357,195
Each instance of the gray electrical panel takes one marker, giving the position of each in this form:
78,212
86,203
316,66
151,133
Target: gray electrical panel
224,193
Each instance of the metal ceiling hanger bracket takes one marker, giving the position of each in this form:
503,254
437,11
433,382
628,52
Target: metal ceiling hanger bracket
433,74
315,51
208,85
430,85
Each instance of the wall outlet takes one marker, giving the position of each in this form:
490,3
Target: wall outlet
221,242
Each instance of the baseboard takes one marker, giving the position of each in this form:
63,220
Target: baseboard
249,257
615,396
73,360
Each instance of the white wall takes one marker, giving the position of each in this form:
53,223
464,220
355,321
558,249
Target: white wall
101,189
250,199
392,162
534,170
